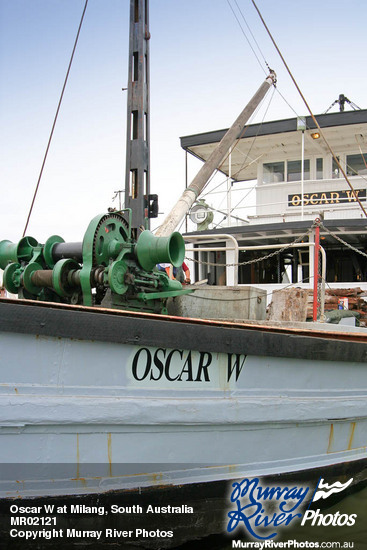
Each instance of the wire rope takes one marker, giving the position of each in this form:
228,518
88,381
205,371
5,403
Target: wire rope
242,165
55,119
233,146
249,151
244,34
252,34
261,52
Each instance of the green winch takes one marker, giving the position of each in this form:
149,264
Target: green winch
109,267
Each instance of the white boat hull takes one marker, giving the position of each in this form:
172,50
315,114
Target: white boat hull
87,415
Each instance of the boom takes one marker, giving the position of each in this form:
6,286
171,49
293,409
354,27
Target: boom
190,194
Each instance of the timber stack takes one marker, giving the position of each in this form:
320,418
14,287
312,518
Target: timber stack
352,299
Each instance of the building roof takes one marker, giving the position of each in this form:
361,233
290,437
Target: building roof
278,140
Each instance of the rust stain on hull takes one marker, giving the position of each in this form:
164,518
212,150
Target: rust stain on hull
78,478
331,438
109,451
77,456
348,440
351,436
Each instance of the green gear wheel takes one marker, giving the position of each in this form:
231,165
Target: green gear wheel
116,277
102,242
110,233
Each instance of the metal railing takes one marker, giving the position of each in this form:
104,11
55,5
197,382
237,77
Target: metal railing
236,248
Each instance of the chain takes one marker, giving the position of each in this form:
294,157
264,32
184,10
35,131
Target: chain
255,260
276,252
343,242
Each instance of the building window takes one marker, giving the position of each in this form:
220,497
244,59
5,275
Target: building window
335,169
319,169
294,168
273,172
357,165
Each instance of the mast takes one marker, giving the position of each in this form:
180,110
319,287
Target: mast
137,179
190,194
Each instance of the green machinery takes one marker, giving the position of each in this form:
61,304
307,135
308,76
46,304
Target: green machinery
108,265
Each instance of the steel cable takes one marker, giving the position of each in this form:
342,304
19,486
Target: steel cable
55,119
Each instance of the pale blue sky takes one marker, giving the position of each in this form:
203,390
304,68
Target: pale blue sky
202,74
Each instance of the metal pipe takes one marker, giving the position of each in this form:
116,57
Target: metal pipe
316,273
223,236
229,188
186,183
323,280
68,250
302,173
217,236
216,158
210,249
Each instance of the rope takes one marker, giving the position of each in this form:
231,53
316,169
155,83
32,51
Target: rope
55,119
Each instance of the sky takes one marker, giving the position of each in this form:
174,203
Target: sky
203,72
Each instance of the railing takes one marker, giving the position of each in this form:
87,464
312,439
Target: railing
236,248
223,237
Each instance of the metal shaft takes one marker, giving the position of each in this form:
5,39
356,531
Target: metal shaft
42,278
68,250
189,196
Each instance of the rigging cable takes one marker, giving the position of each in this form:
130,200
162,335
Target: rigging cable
360,150
232,148
242,165
246,157
55,119
245,128
245,35
253,36
261,52
309,110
